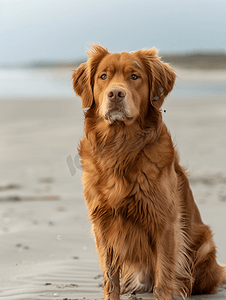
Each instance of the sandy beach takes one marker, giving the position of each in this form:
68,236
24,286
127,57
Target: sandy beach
47,251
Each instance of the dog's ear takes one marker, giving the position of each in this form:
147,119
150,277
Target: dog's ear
161,76
81,85
83,76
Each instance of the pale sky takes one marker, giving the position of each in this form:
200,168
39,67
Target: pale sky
62,29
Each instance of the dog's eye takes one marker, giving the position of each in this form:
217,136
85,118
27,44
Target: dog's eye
103,76
134,77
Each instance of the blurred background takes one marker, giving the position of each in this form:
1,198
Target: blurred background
41,120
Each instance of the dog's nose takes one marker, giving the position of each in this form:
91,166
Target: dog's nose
116,94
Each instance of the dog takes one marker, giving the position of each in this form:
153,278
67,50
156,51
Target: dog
148,230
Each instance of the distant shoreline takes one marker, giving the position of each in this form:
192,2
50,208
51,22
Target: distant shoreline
204,61
197,60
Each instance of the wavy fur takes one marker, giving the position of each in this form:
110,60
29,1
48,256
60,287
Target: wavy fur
147,227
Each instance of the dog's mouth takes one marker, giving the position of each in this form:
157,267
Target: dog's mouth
117,114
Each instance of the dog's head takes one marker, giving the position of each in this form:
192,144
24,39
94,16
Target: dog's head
122,85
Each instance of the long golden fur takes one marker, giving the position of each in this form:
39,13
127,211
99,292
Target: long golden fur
147,227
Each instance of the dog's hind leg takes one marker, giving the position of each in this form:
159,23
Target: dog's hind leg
208,274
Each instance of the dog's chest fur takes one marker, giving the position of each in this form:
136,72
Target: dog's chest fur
143,206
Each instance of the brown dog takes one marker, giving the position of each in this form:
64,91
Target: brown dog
147,227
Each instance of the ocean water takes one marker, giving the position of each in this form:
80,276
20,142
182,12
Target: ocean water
199,89
29,83
17,83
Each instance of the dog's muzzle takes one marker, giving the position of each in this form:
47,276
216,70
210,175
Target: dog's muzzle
117,107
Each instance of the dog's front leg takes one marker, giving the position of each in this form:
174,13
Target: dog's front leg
165,266
111,278
111,288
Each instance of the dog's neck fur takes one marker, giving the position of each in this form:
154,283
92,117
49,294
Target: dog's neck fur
135,140
133,137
